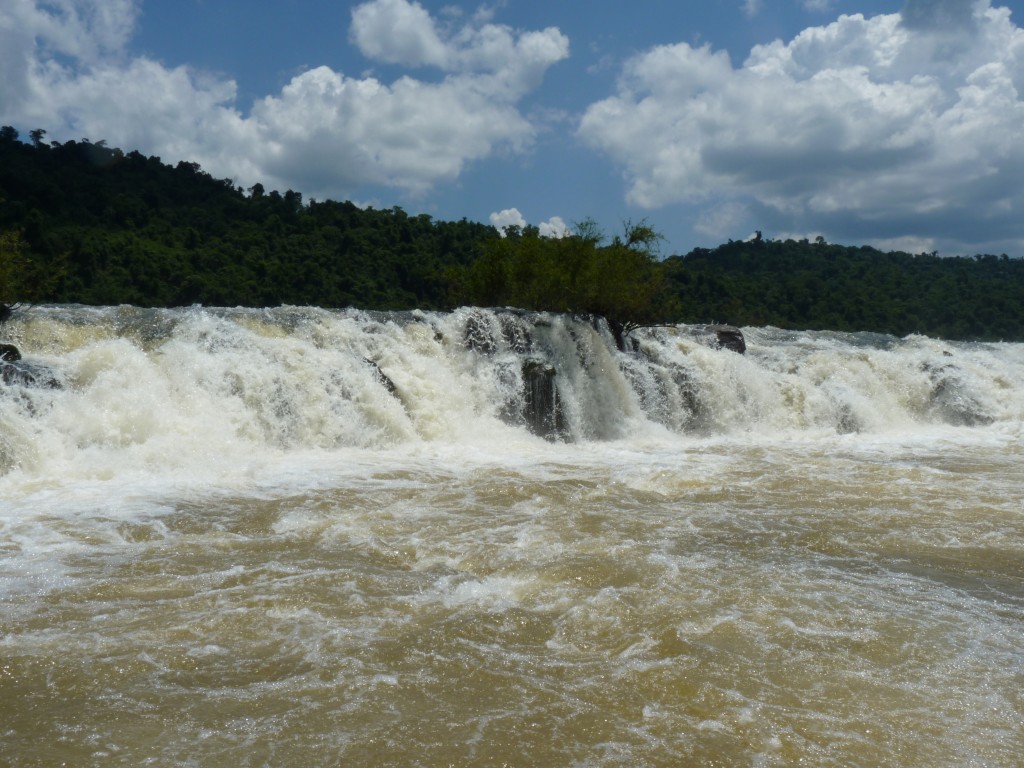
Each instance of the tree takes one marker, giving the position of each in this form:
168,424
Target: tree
627,284
12,266
23,278
619,281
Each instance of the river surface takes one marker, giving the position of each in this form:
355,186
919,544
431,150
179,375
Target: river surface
295,537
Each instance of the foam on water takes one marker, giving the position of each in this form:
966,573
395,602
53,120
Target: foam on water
205,393
300,537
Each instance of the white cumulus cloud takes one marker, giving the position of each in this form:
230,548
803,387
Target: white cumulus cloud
553,227
507,62
398,32
894,126
511,217
66,68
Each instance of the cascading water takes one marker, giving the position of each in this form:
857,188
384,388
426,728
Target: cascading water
294,378
302,537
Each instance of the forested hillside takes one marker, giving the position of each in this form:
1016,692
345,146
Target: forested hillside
81,222
125,228
804,285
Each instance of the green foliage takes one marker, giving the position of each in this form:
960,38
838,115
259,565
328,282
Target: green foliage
11,266
131,229
804,285
81,222
25,278
620,281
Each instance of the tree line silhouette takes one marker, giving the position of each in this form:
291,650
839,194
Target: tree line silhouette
81,222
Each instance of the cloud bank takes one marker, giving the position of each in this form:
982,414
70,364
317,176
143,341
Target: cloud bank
66,69
900,125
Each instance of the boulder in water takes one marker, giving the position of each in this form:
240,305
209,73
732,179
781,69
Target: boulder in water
21,374
716,336
15,372
542,411
382,377
728,337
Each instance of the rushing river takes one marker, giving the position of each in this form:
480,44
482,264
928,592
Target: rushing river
295,537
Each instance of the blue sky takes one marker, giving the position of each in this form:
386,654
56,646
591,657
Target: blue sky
895,123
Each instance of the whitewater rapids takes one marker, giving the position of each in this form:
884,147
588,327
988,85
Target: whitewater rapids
299,537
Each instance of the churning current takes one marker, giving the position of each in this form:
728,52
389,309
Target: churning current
298,537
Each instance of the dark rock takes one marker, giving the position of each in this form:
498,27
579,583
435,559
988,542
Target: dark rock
618,331
542,411
728,337
24,374
382,377
9,353
716,336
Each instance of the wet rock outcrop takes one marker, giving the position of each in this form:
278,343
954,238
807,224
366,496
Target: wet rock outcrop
22,374
542,411
382,377
728,337
716,336
17,373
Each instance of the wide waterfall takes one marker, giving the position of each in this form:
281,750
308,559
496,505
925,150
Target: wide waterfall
296,536
142,384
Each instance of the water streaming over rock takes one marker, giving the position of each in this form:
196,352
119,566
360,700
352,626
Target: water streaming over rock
304,537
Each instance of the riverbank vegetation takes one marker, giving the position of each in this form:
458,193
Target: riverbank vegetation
820,286
81,222
579,273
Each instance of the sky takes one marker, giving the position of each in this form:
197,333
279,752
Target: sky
892,123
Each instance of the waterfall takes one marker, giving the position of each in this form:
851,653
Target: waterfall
202,385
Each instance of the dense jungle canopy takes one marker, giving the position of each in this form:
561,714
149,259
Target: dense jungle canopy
81,222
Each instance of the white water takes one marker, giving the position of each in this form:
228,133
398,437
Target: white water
224,540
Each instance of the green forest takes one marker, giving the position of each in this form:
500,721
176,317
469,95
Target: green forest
81,222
